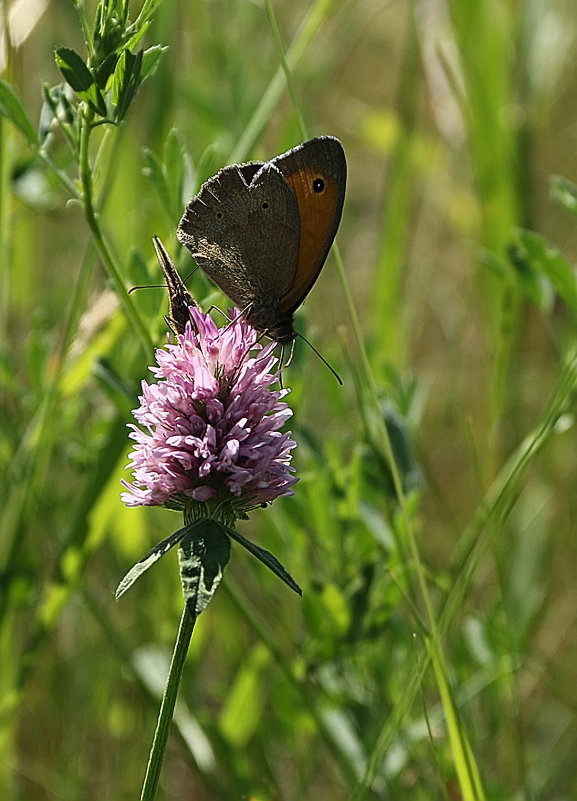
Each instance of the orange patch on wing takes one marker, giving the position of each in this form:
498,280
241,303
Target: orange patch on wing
319,220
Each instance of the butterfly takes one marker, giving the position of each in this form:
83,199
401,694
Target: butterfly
262,230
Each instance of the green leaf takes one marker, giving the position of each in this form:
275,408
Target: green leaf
113,385
399,436
12,108
74,70
150,60
564,192
111,26
147,561
105,69
79,77
203,556
126,81
139,274
548,261
267,559
172,176
173,155
93,96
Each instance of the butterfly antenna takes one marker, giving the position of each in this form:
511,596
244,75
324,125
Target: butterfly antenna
192,272
321,357
146,286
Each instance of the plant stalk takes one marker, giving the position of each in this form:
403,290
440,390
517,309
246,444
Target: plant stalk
167,706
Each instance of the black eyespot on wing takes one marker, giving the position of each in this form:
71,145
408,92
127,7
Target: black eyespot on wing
265,204
318,186
219,215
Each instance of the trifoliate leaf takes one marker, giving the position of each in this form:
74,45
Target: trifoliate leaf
150,60
126,81
203,556
153,556
267,559
74,70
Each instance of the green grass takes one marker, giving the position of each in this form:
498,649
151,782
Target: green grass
433,654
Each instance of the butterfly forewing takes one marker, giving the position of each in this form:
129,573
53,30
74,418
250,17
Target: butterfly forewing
316,173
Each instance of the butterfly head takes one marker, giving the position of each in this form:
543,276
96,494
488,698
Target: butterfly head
271,320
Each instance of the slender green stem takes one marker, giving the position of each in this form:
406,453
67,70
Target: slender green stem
285,67
166,713
158,748
103,249
262,114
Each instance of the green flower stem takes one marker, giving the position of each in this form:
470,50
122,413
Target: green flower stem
103,249
169,697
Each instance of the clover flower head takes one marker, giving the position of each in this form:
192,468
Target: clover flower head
209,428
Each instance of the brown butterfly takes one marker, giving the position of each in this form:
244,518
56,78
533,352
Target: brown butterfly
262,231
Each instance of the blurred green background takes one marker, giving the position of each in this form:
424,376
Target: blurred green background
454,116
